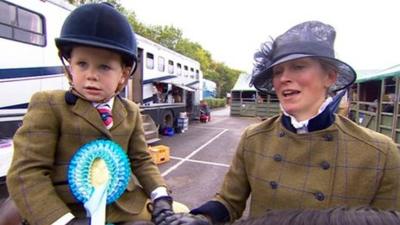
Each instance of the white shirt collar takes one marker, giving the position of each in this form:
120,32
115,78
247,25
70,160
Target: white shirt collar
109,102
301,126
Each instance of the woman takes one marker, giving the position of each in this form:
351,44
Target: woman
307,157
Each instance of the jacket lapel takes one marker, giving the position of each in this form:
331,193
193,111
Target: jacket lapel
86,110
119,112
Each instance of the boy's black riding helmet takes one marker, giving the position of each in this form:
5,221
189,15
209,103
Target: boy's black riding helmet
98,25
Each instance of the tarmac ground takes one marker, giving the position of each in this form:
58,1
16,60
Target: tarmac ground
200,157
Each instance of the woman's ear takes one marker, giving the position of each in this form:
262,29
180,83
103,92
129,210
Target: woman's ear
331,78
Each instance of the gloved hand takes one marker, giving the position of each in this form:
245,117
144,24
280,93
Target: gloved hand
162,208
77,221
187,219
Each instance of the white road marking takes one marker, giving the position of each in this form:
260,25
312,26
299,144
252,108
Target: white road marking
216,128
201,161
192,154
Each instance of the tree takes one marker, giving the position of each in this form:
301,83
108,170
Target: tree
195,51
115,3
225,78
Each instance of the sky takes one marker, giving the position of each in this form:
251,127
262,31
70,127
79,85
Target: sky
367,31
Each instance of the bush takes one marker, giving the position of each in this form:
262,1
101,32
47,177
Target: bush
215,102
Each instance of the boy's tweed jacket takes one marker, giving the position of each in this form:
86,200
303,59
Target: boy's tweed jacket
52,131
344,164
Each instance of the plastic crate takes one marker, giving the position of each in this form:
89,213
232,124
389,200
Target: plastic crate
159,153
183,124
168,131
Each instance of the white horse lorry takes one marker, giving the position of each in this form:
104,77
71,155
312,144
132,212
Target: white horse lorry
166,84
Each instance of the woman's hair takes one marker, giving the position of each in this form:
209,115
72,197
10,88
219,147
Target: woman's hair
331,216
328,65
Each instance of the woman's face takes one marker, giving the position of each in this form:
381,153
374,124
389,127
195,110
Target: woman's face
301,86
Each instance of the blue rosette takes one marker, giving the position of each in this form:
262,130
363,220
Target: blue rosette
116,161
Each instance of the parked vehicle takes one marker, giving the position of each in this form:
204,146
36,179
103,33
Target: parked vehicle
29,63
209,89
247,101
374,102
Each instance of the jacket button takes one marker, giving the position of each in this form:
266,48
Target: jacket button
273,184
282,133
277,157
319,196
328,137
325,165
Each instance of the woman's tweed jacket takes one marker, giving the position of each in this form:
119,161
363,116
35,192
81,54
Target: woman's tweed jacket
53,129
344,164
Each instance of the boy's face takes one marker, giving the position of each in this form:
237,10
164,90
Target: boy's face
97,73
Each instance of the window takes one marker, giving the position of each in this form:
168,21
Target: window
170,67
149,61
178,69
186,71
161,64
21,25
197,74
191,73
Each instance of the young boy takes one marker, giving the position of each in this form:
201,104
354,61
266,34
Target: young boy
100,47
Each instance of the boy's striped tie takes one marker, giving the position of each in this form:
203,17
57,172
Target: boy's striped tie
105,114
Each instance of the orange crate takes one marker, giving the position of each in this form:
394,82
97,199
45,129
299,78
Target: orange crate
159,153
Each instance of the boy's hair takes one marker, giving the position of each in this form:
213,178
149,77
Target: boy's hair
331,216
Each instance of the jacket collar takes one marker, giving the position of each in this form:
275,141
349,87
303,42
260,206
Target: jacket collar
322,121
88,112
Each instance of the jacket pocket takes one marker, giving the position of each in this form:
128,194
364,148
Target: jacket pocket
133,200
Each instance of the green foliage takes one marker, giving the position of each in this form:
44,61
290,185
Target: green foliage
216,102
116,3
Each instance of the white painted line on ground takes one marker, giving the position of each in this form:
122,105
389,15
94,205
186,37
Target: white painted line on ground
192,154
204,127
216,128
201,161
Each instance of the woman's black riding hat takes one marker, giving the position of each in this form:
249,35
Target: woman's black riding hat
308,39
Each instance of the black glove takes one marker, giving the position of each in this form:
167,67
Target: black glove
187,219
162,208
77,221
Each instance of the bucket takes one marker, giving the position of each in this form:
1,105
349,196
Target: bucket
182,115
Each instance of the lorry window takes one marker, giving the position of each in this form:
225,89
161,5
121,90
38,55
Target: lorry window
21,25
170,67
161,64
191,73
149,60
186,71
178,69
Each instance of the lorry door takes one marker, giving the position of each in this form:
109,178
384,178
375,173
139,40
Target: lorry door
136,90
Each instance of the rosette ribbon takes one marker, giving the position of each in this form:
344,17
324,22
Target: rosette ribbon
98,174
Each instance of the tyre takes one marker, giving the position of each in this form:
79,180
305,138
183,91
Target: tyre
167,120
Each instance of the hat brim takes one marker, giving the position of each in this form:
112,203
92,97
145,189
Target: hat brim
346,74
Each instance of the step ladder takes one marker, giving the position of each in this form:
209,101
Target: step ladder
150,129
